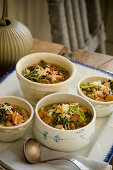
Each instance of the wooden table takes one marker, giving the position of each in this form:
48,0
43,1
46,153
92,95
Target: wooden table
101,61
98,60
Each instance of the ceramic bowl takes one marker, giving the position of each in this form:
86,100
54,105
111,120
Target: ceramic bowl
9,134
63,140
34,91
102,108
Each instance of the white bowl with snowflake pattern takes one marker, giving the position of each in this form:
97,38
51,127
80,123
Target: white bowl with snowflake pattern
63,140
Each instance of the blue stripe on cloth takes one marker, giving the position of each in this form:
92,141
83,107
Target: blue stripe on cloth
7,74
109,155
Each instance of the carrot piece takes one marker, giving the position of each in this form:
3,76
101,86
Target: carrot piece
102,82
52,68
9,117
16,118
75,117
38,66
57,81
99,99
100,95
40,114
107,84
72,126
45,113
47,119
55,72
58,107
83,109
106,91
59,77
77,105
52,72
109,98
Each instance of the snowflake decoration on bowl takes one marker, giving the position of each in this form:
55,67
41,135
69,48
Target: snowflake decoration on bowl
57,138
45,135
81,131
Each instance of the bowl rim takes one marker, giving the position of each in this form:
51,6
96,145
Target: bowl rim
23,124
59,130
41,84
91,100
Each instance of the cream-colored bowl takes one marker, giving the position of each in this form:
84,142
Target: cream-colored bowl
9,134
102,108
34,91
63,140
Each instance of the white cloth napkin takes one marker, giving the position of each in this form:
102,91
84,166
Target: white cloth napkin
13,158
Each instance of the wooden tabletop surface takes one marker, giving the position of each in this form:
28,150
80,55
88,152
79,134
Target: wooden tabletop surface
98,60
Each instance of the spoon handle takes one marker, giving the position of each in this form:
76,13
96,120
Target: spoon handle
78,164
72,160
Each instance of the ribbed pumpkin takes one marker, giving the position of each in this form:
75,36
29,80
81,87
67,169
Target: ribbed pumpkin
15,42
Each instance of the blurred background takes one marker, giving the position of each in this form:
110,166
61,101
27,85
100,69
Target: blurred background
34,14
107,17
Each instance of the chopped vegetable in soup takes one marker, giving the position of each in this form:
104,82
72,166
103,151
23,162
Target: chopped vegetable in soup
46,73
12,115
68,116
98,90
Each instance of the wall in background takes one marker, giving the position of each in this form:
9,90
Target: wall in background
32,13
107,16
